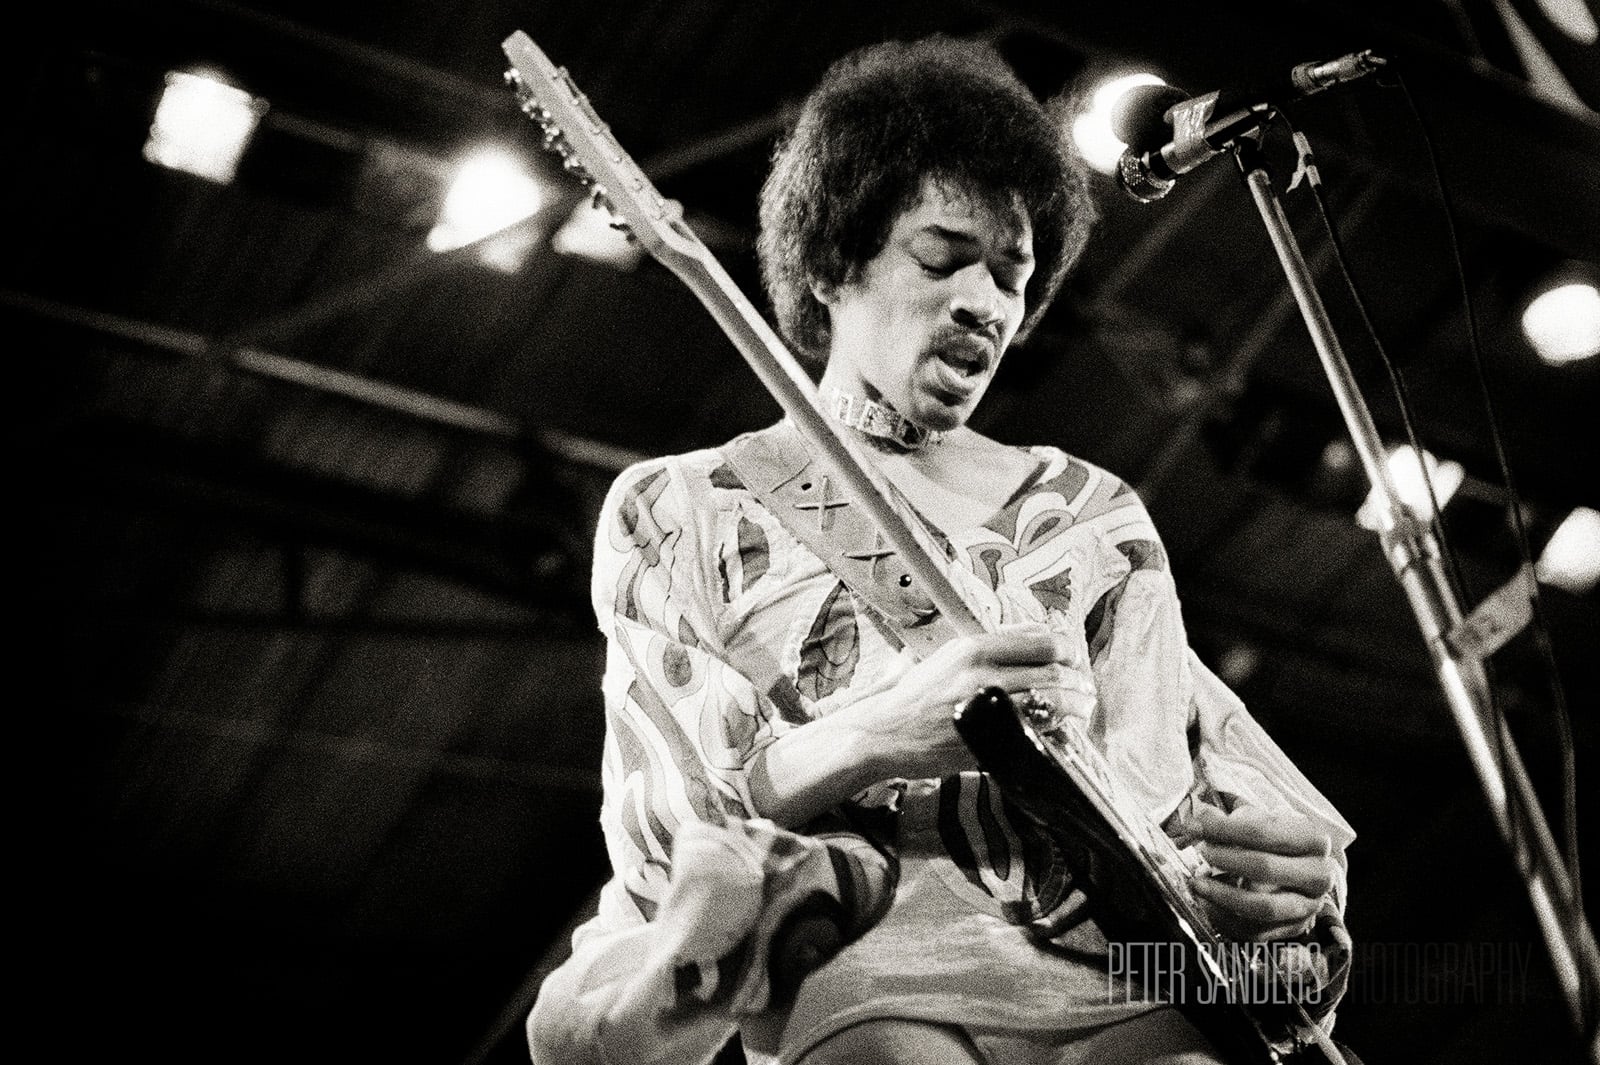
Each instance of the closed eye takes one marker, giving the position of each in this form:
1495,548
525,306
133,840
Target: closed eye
1005,281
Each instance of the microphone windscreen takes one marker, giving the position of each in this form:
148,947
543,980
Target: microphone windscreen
1139,117
1136,177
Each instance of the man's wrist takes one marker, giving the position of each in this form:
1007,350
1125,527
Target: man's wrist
813,768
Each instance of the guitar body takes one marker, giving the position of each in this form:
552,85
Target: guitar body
1149,922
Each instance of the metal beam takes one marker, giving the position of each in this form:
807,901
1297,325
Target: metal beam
362,750
342,51
368,391
139,468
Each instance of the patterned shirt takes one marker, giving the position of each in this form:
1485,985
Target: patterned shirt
725,632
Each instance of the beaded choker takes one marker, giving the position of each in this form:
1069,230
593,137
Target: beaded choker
876,420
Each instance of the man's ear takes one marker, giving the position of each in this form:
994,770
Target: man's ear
825,292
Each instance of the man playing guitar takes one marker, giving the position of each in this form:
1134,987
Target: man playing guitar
779,722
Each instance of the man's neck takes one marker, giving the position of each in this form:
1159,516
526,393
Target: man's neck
874,420
957,483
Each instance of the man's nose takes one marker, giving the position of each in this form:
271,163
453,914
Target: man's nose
976,301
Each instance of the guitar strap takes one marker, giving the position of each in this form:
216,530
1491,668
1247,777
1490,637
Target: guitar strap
780,471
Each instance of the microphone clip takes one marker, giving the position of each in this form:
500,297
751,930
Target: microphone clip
1203,126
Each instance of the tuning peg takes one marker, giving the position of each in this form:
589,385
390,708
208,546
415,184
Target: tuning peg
513,78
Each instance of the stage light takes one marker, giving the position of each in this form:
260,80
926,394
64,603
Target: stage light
1571,560
589,233
1339,455
1238,664
1091,130
1563,322
202,125
490,190
1406,474
1573,18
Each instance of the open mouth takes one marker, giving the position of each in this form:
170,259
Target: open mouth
967,356
960,367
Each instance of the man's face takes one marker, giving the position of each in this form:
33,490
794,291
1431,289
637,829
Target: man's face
925,324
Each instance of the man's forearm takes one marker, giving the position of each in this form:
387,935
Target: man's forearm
809,770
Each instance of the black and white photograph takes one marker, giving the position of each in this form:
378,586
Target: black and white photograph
745,532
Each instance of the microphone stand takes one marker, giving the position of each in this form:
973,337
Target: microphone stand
1413,553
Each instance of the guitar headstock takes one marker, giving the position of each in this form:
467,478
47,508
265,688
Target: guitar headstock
590,153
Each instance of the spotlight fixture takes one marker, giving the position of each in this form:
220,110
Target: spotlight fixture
1571,558
202,125
491,190
1562,322
1405,471
590,233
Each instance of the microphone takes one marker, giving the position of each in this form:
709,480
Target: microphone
1200,127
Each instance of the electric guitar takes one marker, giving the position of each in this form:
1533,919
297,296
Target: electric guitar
1246,1003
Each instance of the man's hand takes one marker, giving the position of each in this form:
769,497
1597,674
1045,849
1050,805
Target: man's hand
1271,871
908,732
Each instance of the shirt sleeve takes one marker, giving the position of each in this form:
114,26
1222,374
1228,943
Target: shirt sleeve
1174,730
682,729
682,725
1168,720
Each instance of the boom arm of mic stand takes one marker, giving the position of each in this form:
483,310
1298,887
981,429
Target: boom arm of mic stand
1413,554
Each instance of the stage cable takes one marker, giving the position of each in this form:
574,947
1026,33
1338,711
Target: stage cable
1540,625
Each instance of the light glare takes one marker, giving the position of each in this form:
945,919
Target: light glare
1572,18
588,233
1571,560
1238,664
1563,323
1091,130
202,126
490,191
1405,472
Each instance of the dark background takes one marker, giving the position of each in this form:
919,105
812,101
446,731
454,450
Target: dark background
314,661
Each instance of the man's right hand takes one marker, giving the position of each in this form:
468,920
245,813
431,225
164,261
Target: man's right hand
906,731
